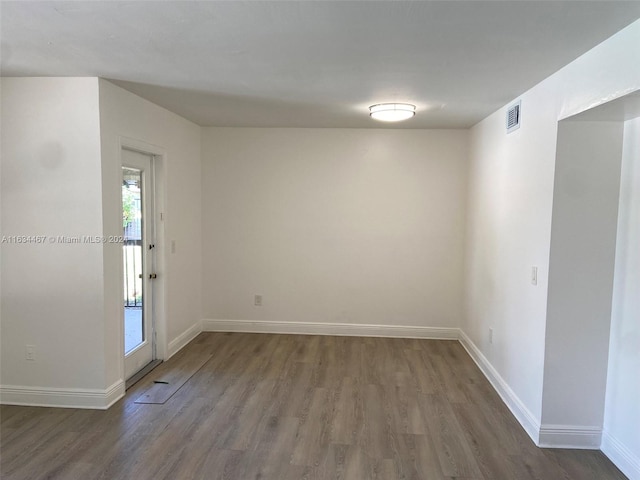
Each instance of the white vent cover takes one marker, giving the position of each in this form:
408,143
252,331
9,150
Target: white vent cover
513,117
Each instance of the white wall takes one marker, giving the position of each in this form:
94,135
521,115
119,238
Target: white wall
61,177
622,409
583,243
509,228
123,114
334,226
52,293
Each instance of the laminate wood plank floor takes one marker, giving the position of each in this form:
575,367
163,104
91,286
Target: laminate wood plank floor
292,407
170,378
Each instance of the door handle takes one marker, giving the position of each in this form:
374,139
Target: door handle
153,276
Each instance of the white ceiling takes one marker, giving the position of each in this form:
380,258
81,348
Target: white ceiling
310,63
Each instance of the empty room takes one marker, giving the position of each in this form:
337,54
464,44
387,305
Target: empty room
288,240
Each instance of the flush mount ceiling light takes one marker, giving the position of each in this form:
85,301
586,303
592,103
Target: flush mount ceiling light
392,112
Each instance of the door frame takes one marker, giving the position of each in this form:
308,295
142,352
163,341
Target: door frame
158,159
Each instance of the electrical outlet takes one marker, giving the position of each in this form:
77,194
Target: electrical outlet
257,300
30,352
491,335
534,275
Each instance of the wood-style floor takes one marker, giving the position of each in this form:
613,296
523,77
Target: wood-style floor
280,407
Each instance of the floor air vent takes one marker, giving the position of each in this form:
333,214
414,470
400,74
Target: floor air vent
513,117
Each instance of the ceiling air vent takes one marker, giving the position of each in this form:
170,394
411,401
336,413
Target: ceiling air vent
513,117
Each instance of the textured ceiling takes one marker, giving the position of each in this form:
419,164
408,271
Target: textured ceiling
312,63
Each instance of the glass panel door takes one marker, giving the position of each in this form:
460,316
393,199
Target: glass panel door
138,260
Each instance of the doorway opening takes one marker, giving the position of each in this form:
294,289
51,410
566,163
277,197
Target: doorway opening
592,308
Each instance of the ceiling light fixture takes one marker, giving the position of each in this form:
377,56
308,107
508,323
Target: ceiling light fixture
392,112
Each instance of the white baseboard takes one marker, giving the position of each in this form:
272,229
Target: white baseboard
570,436
61,397
621,456
546,436
114,393
509,397
338,329
183,339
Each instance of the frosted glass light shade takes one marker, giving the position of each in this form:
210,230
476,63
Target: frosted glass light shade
392,112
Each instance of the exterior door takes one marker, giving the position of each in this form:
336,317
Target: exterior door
138,255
